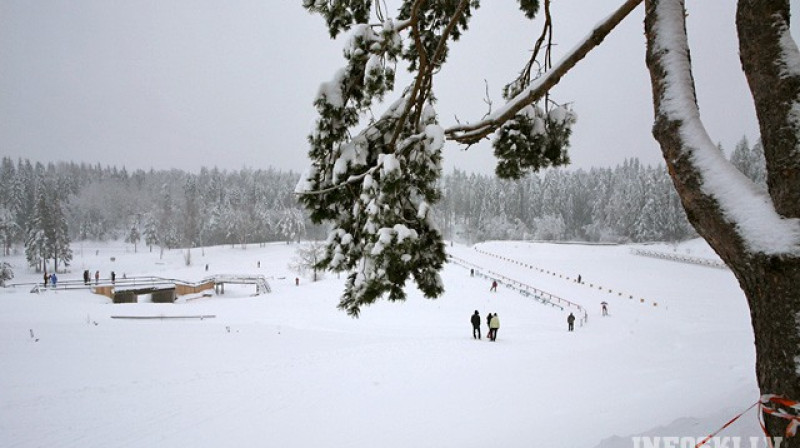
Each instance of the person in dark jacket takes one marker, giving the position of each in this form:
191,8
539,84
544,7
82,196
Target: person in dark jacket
476,325
85,276
570,322
113,276
489,326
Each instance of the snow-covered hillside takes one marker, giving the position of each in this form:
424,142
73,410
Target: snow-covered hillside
287,369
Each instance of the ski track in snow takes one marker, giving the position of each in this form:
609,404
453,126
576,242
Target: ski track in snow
295,372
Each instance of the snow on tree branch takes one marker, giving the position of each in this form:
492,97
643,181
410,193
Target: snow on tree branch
375,187
749,210
473,133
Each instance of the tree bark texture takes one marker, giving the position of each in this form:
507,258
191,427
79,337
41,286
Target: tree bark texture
771,283
775,89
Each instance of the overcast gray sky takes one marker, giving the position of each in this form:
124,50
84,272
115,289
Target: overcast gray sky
191,83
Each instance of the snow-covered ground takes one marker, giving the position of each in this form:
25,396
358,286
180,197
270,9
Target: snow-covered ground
675,357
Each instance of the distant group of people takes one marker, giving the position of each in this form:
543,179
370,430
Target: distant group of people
50,279
87,277
492,322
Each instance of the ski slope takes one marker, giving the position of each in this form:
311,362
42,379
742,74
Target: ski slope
288,369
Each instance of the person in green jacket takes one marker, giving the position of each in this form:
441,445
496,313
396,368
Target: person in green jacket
494,325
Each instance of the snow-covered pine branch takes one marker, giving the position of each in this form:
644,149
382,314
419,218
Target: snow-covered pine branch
375,189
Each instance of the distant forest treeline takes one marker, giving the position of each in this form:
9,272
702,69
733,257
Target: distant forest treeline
44,207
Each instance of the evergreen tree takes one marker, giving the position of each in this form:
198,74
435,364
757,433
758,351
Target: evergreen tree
24,200
7,229
191,215
648,225
6,273
290,224
166,221
60,241
48,232
750,161
150,231
7,176
133,237
35,249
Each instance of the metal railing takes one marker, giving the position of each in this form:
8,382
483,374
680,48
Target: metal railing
524,289
151,281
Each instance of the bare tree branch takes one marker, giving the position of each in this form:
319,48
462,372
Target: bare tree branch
470,134
547,32
424,81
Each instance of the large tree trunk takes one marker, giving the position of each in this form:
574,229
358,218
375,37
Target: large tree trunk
761,25
771,287
772,284
769,278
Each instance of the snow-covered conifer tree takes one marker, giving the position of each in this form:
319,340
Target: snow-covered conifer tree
191,212
6,273
133,236
750,161
7,229
150,231
376,186
60,240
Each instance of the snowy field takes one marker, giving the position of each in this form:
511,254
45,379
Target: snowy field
675,357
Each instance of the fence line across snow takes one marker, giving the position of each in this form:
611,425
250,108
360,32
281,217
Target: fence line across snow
526,290
709,262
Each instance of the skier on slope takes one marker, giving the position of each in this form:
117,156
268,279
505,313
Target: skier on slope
476,325
570,322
